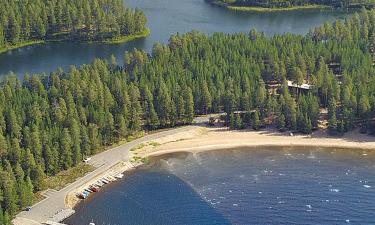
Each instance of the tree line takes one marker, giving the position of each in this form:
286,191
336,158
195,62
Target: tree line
22,21
49,123
291,3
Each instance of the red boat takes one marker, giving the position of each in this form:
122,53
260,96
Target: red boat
94,189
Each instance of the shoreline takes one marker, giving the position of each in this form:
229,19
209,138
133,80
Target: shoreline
214,139
117,40
127,38
21,45
265,9
71,199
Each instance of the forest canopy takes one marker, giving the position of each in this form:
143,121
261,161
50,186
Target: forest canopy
29,20
49,123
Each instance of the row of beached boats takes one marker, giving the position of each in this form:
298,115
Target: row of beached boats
95,187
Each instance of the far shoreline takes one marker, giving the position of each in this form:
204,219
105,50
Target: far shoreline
293,8
260,9
116,40
265,9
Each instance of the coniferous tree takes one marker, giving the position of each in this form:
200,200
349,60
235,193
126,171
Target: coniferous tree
206,99
51,19
332,119
256,123
281,122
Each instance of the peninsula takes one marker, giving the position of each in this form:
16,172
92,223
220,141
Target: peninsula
35,22
288,5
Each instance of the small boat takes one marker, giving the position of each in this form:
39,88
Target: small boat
91,223
82,195
105,181
94,189
110,178
119,176
99,184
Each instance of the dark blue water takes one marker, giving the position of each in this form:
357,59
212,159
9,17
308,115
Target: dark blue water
165,17
148,197
259,186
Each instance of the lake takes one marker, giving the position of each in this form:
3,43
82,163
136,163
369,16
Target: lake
244,186
166,17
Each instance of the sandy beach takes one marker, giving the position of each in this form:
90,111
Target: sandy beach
207,139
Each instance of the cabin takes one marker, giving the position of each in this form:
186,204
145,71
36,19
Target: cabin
273,86
303,88
335,67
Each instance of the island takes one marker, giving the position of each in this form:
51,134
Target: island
288,5
38,21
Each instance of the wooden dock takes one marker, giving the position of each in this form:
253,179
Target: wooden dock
53,223
60,216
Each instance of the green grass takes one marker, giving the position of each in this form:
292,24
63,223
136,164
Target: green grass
145,160
20,45
154,143
123,39
66,177
140,146
137,159
262,9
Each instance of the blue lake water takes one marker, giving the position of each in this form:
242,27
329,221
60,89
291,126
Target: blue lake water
257,186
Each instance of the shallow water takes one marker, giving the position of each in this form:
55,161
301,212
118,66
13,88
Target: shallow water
258,186
166,17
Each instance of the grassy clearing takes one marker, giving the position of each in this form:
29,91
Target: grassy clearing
20,45
261,9
66,177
